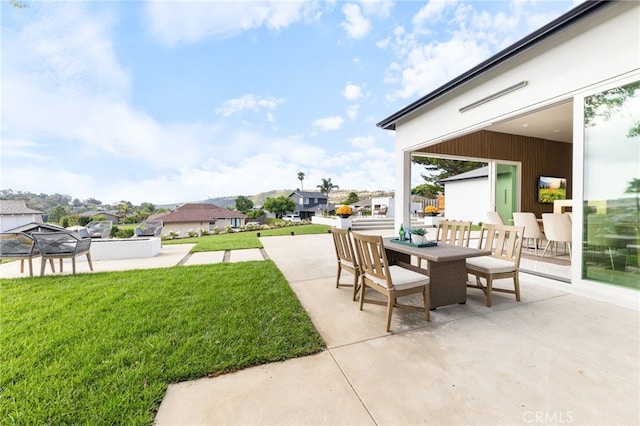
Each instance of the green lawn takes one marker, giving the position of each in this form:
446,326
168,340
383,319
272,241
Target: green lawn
102,348
245,240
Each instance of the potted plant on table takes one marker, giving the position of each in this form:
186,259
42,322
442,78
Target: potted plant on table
419,235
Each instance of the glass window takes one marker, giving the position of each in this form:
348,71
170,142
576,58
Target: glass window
612,186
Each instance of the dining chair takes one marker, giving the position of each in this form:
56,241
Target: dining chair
346,257
557,229
454,232
391,281
505,244
532,229
494,218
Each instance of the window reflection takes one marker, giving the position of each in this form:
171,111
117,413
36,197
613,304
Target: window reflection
612,186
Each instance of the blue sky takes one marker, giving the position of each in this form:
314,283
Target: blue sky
168,102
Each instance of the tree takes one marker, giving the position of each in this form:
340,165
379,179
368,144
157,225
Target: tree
149,207
56,213
441,168
604,105
301,178
352,198
325,187
634,188
125,207
92,202
255,214
279,206
426,190
243,204
18,4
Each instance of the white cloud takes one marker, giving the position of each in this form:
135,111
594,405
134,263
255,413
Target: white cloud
430,13
352,92
355,24
362,142
426,59
381,9
352,111
174,23
329,123
248,102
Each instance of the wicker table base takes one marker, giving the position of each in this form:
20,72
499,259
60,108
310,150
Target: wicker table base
447,269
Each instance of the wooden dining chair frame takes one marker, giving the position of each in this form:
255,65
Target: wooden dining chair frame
505,244
391,281
347,259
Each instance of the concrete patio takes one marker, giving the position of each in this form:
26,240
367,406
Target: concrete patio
555,357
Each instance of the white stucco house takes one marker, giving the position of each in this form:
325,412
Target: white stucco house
563,101
15,213
467,195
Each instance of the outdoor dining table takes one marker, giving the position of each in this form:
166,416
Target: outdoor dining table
446,267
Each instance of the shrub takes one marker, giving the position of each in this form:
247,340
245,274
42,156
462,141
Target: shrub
192,233
122,233
171,235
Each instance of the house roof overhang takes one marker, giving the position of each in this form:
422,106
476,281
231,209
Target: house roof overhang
566,20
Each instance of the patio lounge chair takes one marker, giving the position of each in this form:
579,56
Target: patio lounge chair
18,245
346,258
62,245
505,243
380,211
99,228
149,228
392,281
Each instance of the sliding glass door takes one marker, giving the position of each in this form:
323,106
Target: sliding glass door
611,215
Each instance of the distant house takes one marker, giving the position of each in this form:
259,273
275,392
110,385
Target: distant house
199,216
308,203
15,213
108,215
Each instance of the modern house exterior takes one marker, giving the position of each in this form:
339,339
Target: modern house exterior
196,216
15,213
561,102
309,203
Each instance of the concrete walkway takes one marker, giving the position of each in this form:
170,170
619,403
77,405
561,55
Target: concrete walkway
553,358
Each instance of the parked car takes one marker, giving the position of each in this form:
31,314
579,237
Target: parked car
292,217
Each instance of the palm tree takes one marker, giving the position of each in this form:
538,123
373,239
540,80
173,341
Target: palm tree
326,188
301,178
634,188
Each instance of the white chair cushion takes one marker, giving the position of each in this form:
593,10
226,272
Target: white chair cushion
402,278
490,265
347,263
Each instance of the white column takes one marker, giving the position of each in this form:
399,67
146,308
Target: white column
403,188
